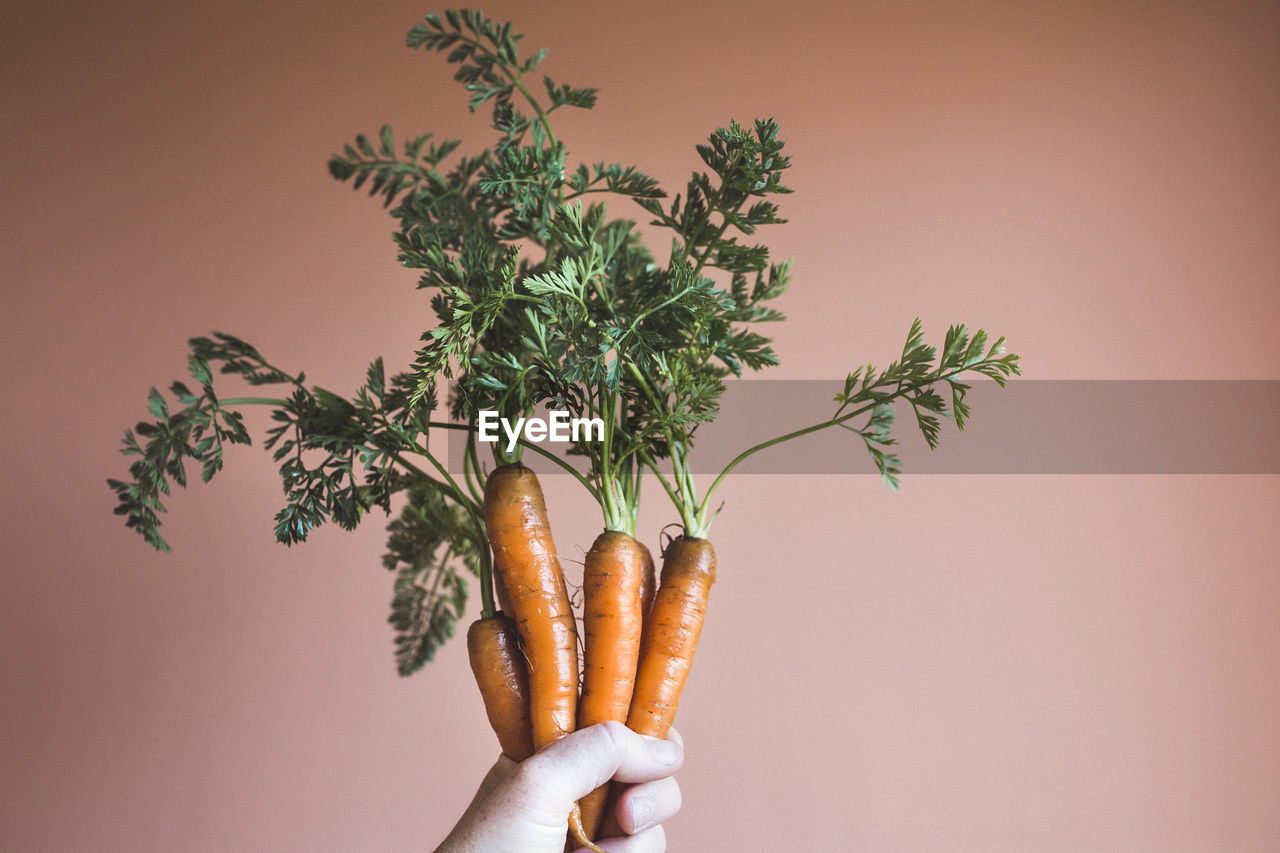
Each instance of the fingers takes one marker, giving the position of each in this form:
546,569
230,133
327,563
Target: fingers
652,840
641,809
572,767
646,805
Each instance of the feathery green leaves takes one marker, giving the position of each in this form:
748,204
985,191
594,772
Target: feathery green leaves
915,377
427,545
542,295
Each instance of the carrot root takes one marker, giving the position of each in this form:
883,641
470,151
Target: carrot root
498,665
688,570
613,616
524,556
579,833
679,606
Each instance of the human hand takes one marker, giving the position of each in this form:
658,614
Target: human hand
524,808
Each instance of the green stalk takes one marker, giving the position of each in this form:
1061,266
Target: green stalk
537,108
617,512
488,608
471,468
900,391
652,465
252,401
702,521
527,445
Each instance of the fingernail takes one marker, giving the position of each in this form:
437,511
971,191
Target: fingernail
641,812
665,751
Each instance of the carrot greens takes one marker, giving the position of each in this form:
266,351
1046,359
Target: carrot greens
543,297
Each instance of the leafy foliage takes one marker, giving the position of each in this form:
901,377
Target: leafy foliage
426,546
389,175
913,377
200,431
541,296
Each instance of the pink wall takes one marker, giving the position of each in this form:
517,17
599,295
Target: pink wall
977,663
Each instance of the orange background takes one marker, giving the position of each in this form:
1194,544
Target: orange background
977,663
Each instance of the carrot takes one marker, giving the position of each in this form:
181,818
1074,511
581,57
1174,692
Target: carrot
501,597
498,665
524,556
603,802
648,584
612,616
688,570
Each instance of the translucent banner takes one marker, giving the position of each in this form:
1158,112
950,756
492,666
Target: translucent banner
1066,426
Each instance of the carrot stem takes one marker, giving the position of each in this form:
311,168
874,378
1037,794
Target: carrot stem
253,401
703,521
471,469
569,469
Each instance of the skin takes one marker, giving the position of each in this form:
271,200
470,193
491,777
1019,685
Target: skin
613,575
524,808
499,668
524,556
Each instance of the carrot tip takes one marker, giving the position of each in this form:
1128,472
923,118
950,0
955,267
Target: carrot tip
579,833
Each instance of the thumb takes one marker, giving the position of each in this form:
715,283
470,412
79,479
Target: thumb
574,766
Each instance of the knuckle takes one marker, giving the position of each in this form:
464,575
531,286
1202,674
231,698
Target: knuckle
528,773
607,737
616,732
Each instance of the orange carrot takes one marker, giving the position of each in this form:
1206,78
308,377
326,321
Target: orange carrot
524,557
648,586
688,570
500,595
498,664
612,616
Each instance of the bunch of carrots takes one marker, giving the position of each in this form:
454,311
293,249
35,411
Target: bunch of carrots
638,642
543,299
